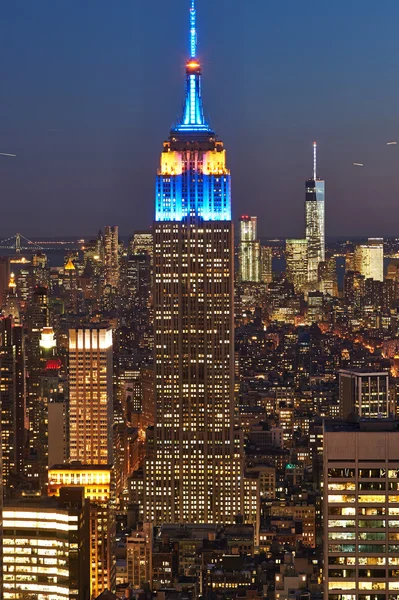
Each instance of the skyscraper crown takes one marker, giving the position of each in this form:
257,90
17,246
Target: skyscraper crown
193,180
193,119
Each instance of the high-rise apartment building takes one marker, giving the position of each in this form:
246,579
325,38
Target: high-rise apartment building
249,250
364,393
90,394
369,259
193,469
361,510
111,256
315,227
296,256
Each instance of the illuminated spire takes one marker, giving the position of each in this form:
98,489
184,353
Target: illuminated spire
193,30
193,119
314,160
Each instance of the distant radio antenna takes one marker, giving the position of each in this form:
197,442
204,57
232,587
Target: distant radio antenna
314,160
193,30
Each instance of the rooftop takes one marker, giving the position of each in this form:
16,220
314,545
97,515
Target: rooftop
382,425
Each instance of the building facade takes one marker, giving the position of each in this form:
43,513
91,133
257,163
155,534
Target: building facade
111,256
361,510
369,259
364,393
97,485
13,398
90,395
296,256
315,223
194,444
266,255
250,250
45,546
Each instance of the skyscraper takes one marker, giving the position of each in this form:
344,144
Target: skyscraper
90,395
111,256
13,398
296,256
249,255
266,269
193,468
97,485
369,259
361,462
46,547
315,228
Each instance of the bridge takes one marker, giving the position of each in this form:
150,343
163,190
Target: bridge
19,242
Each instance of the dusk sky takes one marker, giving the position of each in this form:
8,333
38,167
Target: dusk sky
90,89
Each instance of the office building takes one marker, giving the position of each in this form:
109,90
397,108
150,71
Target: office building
37,347
369,259
138,279
194,444
142,243
315,227
111,256
249,251
13,398
266,256
328,283
361,510
45,547
364,393
90,394
97,484
296,256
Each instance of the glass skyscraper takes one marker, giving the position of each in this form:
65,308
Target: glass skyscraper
193,469
249,254
315,227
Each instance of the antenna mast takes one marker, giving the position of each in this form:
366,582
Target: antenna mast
314,160
193,30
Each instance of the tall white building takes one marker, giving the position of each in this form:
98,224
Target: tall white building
361,510
90,395
369,259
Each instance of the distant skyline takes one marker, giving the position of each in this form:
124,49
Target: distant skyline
91,89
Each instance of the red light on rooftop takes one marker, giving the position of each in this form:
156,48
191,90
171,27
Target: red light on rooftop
53,364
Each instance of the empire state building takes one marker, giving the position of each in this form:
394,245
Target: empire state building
193,471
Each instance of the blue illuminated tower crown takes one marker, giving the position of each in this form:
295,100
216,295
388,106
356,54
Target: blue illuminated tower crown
193,113
193,180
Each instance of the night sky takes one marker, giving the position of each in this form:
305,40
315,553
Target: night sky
90,88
